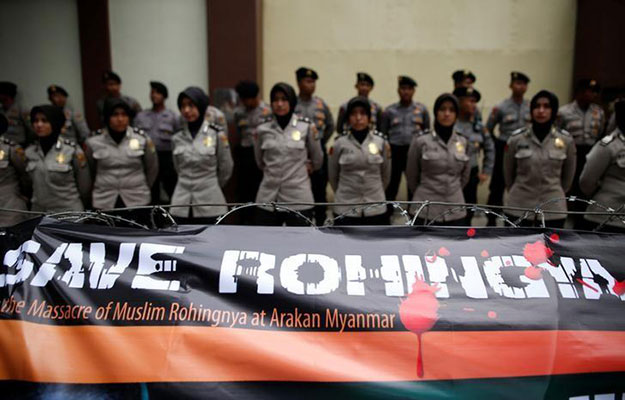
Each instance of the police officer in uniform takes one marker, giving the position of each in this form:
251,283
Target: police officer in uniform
12,171
247,116
401,122
202,160
539,163
438,165
364,86
315,109
57,167
585,121
510,115
463,78
603,176
160,123
76,128
359,168
287,150
17,116
112,89
479,141
122,159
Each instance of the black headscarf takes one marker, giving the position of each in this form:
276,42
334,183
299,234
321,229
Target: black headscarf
363,102
201,100
110,105
541,130
619,114
56,118
291,97
444,131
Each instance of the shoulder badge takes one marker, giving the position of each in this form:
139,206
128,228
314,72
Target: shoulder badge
344,133
564,132
138,131
304,119
69,142
380,134
215,126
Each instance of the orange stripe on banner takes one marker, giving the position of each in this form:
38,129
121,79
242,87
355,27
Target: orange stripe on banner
99,354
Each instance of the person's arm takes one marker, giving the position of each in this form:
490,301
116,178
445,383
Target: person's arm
91,161
386,166
333,165
466,169
82,176
493,120
509,163
315,155
413,165
329,129
340,120
386,123
224,158
150,162
80,124
568,167
488,162
426,119
378,119
597,162
258,152
17,159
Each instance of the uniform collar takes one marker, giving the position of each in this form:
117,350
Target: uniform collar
108,137
552,134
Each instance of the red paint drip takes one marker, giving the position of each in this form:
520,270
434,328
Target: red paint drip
471,232
420,368
580,280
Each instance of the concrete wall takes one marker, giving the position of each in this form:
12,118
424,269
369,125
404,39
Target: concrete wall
159,40
426,39
39,43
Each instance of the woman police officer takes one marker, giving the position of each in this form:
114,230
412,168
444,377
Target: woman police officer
438,165
360,168
539,163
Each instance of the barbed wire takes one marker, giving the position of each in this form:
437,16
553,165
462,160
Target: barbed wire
110,218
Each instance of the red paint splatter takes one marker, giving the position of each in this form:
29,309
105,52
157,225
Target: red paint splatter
537,253
492,314
508,263
533,273
443,252
555,238
430,256
484,253
471,232
583,282
418,313
619,287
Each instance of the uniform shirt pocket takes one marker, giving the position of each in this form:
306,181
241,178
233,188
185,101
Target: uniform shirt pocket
293,144
4,164
523,154
429,154
268,145
375,159
135,153
346,159
557,155
59,167
100,154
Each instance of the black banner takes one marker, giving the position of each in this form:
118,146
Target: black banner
265,312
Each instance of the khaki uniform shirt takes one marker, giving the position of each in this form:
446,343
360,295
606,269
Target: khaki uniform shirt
60,179
127,169
282,155
510,116
603,177
342,121
246,122
160,126
76,128
317,111
586,127
438,171
204,165
19,124
535,171
12,169
401,123
359,173
217,117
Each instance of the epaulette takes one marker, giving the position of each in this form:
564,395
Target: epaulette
564,132
427,132
8,141
268,118
138,131
304,119
608,139
380,134
519,131
98,132
215,126
343,133
69,142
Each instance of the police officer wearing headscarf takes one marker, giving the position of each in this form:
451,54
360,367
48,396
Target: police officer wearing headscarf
57,167
287,150
76,128
438,166
160,123
12,171
360,168
202,160
603,176
122,158
539,163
